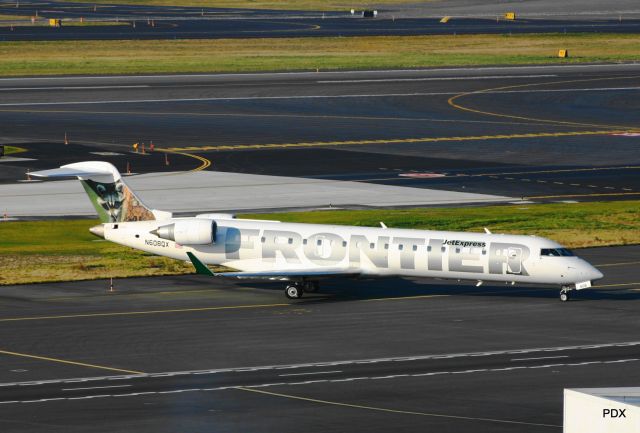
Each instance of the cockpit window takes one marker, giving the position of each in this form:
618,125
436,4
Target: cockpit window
556,252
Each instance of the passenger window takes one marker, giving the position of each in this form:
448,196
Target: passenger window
429,248
400,247
372,245
319,242
304,242
263,239
443,249
386,246
344,243
415,248
290,241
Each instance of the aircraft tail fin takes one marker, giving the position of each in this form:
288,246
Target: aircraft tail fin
110,195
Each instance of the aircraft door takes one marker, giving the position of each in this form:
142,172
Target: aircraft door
323,247
514,261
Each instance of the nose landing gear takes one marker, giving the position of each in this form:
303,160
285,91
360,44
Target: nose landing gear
565,293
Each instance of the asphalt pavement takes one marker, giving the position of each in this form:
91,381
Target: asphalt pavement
174,22
540,133
196,354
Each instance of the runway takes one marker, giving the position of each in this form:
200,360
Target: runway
212,28
169,22
359,355
546,133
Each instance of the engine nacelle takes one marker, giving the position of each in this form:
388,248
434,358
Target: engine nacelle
191,231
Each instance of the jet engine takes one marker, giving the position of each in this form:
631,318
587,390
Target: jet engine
191,231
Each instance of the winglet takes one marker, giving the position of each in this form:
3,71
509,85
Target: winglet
201,268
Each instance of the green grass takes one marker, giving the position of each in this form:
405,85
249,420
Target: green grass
321,5
572,224
65,250
8,150
243,55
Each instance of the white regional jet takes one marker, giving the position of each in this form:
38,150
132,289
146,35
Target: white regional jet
302,254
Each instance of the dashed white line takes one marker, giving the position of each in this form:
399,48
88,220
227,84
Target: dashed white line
309,373
541,357
96,387
325,364
350,379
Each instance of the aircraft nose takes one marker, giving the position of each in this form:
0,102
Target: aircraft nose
595,274
98,230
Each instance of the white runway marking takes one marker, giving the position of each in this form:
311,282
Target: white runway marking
393,80
259,98
310,373
16,89
346,362
96,387
350,379
329,73
541,357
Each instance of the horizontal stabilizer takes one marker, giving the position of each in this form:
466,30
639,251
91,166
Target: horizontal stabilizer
69,172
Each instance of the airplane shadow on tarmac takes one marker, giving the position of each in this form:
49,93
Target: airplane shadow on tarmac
340,289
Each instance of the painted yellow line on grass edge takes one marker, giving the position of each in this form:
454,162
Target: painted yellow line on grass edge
394,411
64,361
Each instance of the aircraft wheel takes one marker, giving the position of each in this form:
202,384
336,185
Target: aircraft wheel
564,295
293,291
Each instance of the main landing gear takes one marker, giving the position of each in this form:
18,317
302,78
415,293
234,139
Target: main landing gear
296,289
565,293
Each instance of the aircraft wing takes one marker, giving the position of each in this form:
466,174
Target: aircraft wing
202,269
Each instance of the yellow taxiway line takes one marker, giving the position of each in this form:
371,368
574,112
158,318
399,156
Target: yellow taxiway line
64,361
394,411
138,313
394,141
452,102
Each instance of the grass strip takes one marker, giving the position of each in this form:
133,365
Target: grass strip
65,250
319,5
304,54
9,150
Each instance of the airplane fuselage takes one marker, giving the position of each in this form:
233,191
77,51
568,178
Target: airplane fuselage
250,245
